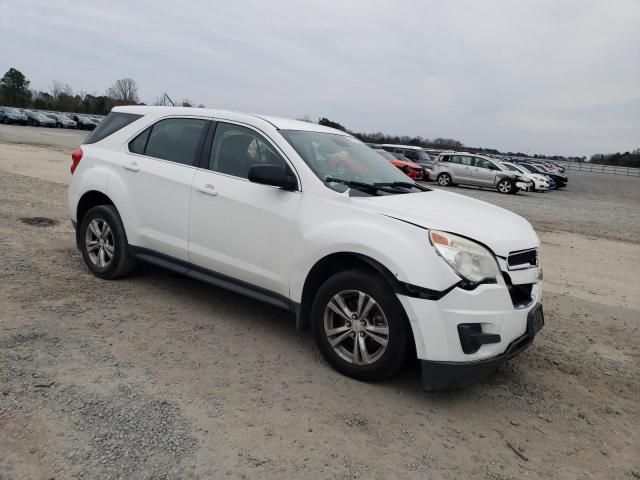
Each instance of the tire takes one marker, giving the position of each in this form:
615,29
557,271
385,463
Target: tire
444,180
381,361
102,261
506,186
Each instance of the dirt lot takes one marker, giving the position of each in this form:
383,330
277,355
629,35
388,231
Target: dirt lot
158,376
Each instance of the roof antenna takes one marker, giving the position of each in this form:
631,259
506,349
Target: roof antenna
166,97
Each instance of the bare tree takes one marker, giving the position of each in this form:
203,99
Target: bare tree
59,89
186,103
124,90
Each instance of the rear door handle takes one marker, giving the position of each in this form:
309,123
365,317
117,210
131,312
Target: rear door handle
133,166
208,189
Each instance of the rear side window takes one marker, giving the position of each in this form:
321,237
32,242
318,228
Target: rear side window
138,144
111,124
173,139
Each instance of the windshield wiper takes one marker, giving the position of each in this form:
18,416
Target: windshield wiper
402,185
389,187
352,183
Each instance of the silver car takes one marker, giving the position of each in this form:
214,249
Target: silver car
476,170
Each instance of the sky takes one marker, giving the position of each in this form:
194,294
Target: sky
544,76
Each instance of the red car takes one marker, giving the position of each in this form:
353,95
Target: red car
410,169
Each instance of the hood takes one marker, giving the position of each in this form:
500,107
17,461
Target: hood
499,229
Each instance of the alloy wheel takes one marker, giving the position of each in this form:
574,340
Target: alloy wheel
99,243
443,180
356,327
504,186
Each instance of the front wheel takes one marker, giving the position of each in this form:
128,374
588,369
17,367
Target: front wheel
444,179
506,186
360,326
103,243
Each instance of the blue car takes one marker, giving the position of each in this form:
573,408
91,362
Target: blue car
552,183
11,116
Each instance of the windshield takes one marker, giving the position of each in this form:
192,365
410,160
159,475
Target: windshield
424,156
513,168
386,155
342,157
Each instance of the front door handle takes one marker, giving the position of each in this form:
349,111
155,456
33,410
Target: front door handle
133,166
208,189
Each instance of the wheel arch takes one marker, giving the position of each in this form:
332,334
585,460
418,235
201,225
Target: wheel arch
88,200
328,266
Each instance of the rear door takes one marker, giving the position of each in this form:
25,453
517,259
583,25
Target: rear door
237,228
158,170
460,166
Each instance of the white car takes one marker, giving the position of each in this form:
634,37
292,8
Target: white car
379,267
540,182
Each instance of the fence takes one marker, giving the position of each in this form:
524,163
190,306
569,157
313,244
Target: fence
597,168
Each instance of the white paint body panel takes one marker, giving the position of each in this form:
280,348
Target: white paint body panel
271,238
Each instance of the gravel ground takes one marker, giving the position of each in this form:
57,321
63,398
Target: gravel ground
158,376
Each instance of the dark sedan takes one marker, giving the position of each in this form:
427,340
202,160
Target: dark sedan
62,121
84,122
38,119
12,116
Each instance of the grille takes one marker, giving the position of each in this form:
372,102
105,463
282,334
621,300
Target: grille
524,259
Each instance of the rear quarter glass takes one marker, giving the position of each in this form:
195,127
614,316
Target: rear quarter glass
111,124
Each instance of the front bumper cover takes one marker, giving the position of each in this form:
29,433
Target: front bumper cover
456,375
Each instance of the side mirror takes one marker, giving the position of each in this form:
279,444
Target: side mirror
273,175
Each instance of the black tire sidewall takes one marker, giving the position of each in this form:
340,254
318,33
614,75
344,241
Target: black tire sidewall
371,284
109,214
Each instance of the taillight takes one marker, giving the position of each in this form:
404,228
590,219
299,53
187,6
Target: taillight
76,156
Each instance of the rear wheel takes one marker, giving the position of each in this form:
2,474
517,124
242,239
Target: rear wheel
444,179
103,243
506,186
360,326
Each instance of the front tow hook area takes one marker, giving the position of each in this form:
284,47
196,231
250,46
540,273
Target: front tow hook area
472,338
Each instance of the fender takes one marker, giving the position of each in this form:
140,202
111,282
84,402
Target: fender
401,248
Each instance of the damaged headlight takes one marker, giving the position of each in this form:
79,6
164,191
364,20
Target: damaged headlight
469,259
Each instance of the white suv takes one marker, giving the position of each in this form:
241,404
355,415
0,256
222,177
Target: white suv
379,267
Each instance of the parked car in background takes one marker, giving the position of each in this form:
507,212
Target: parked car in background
560,178
84,122
415,154
541,183
560,168
39,119
62,121
479,171
409,168
12,116
382,269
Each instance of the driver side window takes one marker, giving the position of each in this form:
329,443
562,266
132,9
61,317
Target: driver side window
236,149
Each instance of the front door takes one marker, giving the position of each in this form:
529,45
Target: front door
484,172
237,228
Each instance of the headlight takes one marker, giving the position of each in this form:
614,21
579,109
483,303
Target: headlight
469,259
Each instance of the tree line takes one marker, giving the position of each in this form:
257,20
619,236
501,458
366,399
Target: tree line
15,91
436,143
626,159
